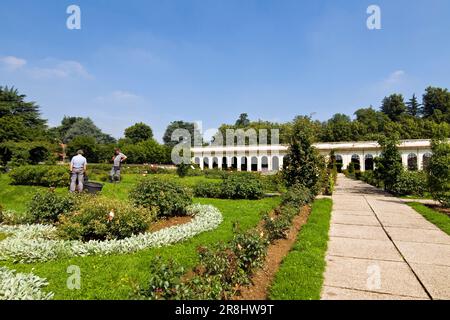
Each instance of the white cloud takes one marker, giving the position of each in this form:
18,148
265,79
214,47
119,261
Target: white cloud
395,78
12,63
119,97
61,69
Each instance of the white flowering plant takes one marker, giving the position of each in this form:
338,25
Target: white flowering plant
38,243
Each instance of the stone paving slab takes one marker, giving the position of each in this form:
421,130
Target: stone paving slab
353,212
362,232
425,253
435,278
354,219
413,255
335,293
396,277
418,235
362,248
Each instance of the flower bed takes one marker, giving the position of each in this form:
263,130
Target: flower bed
21,286
36,243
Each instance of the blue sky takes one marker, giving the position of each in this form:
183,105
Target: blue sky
210,60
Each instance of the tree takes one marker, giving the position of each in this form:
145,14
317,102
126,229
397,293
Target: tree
303,164
189,126
19,120
436,104
389,164
86,143
338,128
139,132
243,120
438,171
413,106
84,127
393,106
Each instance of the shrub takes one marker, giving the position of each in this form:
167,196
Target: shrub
208,189
10,217
168,197
165,281
410,183
277,227
183,170
47,176
104,219
273,183
242,186
45,207
438,172
297,196
250,248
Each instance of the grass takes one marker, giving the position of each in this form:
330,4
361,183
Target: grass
441,220
17,197
2,236
116,276
300,276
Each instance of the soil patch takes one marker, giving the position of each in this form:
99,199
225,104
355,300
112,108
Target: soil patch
276,252
169,222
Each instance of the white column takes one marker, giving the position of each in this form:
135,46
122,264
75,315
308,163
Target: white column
269,163
280,162
201,163
346,159
249,163
229,164
405,160
238,163
220,162
362,162
420,160
259,163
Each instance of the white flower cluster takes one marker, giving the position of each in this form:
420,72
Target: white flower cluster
21,286
36,243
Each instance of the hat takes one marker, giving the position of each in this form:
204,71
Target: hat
80,152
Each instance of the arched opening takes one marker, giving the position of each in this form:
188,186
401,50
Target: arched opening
224,163
264,163
356,162
339,162
197,161
275,163
254,164
205,162
412,162
426,160
368,162
244,164
215,163
234,163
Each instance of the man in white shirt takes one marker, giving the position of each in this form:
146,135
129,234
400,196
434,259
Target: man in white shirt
118,158
78,167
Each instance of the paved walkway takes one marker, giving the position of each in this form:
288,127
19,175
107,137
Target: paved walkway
380,248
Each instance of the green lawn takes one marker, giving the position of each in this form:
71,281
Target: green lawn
441,220
301,274
17,197
114,277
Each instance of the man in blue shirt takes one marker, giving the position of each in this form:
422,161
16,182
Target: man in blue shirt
78,167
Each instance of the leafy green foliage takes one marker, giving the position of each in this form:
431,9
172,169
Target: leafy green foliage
168,197
139,132
46,176
208,189
394,106
303,164
410,183
242,185
297,196
438,172
100,218
389,164
189,126
148,151
45,207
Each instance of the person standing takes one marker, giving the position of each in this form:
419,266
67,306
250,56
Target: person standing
78,167
118,158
